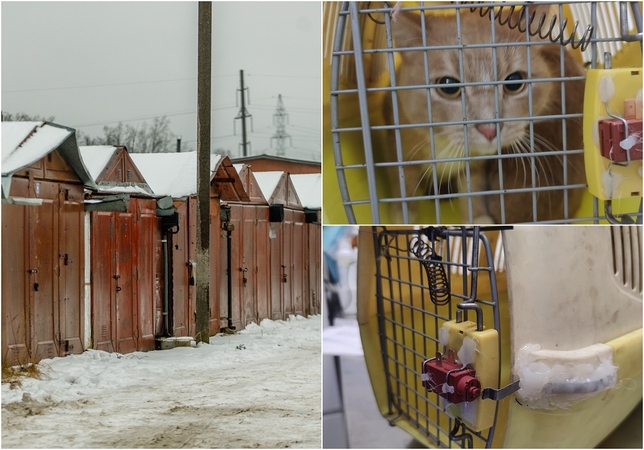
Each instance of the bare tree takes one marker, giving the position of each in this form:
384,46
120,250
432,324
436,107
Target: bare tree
146,137
24,117
155,137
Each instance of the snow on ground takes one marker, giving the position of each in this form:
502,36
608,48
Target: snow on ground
260,387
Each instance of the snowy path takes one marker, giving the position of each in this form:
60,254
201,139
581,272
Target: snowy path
257,388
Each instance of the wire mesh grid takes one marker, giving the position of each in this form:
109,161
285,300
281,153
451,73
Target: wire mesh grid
413,304
409,165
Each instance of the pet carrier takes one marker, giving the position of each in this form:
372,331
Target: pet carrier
522,337
467,112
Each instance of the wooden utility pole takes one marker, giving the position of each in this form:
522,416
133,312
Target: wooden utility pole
203,172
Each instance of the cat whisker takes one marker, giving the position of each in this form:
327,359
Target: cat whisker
422,177
543,160
519,148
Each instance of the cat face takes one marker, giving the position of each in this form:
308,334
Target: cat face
478,66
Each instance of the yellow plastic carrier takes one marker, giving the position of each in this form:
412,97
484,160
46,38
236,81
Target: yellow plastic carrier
347,174
548,317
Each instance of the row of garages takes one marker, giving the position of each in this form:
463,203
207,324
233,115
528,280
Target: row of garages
99,245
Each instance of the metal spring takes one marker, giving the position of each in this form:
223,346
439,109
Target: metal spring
439,291
549,34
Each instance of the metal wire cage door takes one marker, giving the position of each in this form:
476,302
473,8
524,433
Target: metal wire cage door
433,293
448,160
527,337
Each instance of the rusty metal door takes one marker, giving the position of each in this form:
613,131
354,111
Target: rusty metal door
44,271
287,263
262,264
103,281
277,270
125,282
236,264
179,274
248,267
71,218
124,290
215,249
15,279
298,266
146,254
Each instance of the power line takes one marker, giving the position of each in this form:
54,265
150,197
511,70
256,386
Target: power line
108,84
283,76
132,119
300,110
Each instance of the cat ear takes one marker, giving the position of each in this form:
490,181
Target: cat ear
406,29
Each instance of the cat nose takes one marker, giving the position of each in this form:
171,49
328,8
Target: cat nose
488,130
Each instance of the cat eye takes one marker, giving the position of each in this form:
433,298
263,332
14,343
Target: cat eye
449,91
514,88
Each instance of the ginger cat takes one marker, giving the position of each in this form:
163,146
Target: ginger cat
513,102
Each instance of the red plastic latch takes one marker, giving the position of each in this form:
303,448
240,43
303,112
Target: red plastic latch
450,380
611,133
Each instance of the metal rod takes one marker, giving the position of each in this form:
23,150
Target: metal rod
337,152
477,309
623,24
364,111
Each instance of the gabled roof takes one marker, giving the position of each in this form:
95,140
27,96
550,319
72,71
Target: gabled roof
175,174
251,186
227,183
113,170
309,189
24,143
277,188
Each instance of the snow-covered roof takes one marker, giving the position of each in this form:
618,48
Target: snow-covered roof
24,143
268,181
250,159
173,174
96,158
309,189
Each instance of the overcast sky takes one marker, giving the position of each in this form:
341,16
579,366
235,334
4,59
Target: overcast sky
91,64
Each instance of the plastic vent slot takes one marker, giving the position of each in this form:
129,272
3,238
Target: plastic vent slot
627,256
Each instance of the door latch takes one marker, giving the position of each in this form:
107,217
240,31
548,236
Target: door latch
451,380
458,383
